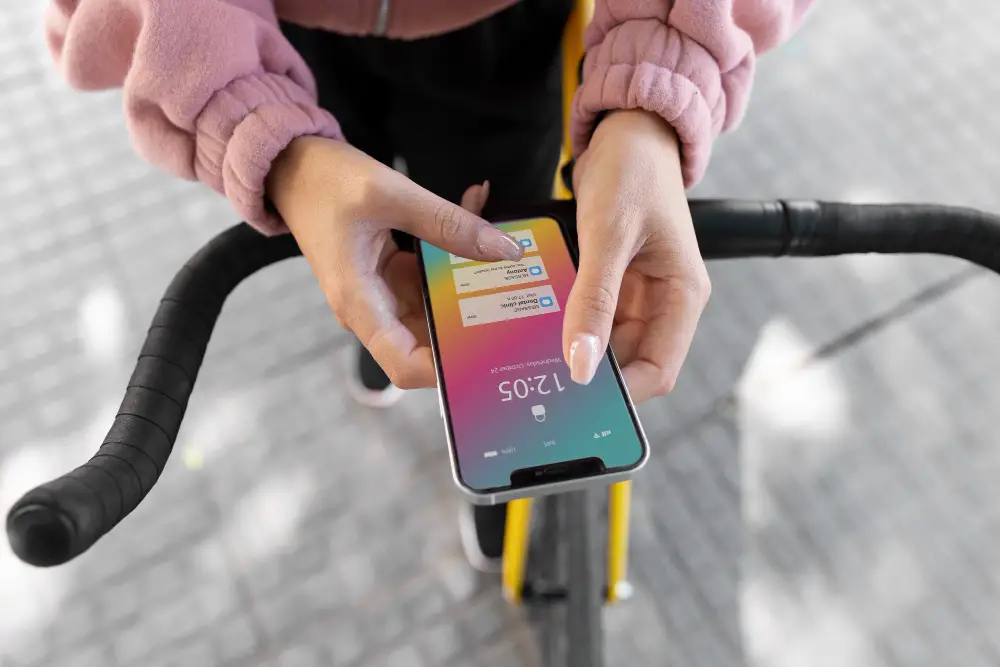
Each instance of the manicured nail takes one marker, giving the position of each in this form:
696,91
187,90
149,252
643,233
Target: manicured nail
492,243
584,354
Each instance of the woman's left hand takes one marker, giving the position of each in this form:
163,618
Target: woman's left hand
642,283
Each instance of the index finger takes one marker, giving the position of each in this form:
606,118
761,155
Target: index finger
448,226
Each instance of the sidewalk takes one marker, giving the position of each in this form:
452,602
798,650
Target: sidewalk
842,514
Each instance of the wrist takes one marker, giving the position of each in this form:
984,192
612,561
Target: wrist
645,142
285,166
292,174
649,123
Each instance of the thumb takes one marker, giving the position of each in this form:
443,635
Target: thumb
453,228
590,309
475,196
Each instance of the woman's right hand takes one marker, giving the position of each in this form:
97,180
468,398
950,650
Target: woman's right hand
341,206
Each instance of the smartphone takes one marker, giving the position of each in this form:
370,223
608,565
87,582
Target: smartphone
517,425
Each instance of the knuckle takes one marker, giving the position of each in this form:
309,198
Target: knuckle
448,222
693,286
598,299
700,288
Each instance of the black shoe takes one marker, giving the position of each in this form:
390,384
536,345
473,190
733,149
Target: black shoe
481,529
368,383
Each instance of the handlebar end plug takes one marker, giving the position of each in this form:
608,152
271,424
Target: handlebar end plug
41,535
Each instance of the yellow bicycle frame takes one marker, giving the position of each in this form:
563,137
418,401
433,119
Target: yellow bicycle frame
517,530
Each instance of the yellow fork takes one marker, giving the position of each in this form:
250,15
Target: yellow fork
515,548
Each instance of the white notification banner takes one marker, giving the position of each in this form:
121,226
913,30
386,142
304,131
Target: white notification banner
499,274
525,238
512,305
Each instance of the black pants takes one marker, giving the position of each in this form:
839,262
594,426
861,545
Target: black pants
479,103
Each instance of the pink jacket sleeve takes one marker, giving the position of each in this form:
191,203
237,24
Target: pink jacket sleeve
690,61
203,103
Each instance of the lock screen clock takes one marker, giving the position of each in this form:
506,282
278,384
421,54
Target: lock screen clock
524,387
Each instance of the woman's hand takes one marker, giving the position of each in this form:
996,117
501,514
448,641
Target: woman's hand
642,282
341,205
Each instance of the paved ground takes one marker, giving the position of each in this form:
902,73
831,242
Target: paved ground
842,514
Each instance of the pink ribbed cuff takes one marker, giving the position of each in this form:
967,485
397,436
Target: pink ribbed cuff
646,64
242,130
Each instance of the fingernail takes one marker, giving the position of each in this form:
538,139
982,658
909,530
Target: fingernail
492,243
584,354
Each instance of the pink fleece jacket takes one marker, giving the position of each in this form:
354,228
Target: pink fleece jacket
214,92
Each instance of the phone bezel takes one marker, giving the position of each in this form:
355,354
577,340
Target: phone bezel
496,495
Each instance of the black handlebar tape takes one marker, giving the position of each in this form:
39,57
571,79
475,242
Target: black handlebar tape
63,518
728,229
823,228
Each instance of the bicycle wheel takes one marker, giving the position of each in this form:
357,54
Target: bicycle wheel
567,580
584,580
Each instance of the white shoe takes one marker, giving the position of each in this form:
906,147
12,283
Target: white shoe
373,398
482,540
367,383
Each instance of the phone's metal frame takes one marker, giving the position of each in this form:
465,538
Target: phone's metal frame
545,488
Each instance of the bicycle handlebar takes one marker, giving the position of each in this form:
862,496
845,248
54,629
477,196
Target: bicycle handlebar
61,519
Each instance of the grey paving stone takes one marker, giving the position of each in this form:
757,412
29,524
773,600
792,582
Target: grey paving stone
682,612
89,656
424,602
343,641
284,612
76,624
485,618
29,652
404,656
442,641
907,649
385,626
189,611
234,640
504,654
302,656
196,652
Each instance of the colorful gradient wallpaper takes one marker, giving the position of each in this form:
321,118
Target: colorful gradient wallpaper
507,388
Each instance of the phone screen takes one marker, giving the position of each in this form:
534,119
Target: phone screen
508,397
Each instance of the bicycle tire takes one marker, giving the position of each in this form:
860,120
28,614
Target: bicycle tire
584,628
566,555
544,567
